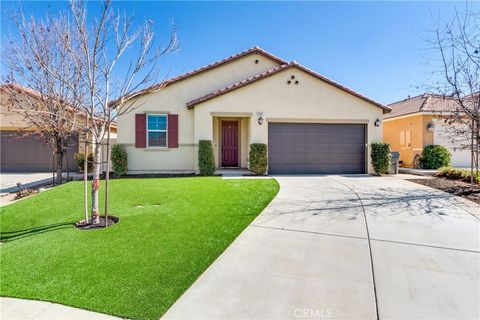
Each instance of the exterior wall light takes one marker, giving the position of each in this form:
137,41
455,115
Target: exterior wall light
260,118
377,123
431,127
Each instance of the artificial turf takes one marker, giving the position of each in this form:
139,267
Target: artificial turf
170,231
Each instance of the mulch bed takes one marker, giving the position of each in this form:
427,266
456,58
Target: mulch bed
458,188
88,226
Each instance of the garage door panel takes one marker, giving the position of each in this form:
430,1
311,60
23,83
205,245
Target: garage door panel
30,154
316,148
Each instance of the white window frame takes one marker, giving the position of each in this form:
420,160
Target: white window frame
166,130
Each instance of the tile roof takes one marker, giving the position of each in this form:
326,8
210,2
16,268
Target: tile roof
254,50
268,73
426,102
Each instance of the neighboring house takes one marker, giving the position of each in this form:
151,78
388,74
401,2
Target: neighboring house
21,149
310,123
418,122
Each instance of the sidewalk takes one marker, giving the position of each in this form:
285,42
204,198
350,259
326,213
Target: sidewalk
21,309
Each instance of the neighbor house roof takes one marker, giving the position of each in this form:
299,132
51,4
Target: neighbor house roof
8,88
273,71
254,50
426,102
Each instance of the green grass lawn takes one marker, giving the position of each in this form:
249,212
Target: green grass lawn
170,231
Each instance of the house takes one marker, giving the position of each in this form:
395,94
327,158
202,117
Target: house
310,123
22,150
418,122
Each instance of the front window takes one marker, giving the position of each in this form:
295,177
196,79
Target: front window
157,130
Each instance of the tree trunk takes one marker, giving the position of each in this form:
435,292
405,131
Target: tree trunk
96,182
59,160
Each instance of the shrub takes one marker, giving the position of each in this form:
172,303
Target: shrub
80,158
206,163
22,193
457,174
257,158
381,157
119,159
434,157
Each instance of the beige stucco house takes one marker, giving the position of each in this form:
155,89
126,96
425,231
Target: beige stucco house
310,123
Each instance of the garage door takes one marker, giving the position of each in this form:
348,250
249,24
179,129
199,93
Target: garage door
30,154
296,148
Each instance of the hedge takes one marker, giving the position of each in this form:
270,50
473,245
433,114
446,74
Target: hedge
119,159
435,156
257,158
458,174
206,162
381,157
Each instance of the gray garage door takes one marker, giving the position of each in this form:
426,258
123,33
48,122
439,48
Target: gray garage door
296,148
30,154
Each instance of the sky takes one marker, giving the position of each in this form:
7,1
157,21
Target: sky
379,49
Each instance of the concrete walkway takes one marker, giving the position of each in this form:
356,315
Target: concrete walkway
21,309
355,247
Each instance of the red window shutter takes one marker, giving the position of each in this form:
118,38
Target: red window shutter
140,130
173,130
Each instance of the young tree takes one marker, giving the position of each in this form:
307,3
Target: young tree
457,44
48,104
108,71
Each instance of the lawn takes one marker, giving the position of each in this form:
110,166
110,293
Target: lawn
170,231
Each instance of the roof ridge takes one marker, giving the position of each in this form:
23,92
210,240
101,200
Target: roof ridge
425,102
267,73
207,67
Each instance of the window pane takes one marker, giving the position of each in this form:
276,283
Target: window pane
157,122
157,139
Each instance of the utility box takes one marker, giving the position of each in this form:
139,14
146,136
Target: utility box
395,162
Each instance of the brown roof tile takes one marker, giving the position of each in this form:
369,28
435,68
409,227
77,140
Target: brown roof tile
254,50
268,73
426,102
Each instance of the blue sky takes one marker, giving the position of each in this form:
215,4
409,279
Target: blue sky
375,48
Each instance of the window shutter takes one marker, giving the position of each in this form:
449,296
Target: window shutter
140,130
173,130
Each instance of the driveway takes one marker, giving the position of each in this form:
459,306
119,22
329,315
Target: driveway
8,181
347,247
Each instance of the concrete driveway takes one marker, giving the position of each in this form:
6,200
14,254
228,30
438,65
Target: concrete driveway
355,247
8,181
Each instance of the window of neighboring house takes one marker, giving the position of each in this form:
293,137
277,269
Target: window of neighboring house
402,138
157,130
408,138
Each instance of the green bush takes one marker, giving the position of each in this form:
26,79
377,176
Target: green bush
206,162
457,174
257,158
80,158
119,159
434,157
381,157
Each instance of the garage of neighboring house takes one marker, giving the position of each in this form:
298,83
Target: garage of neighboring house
307,148
29,153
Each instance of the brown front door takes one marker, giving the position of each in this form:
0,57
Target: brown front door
229,144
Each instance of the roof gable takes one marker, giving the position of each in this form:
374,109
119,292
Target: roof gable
254,50
191,104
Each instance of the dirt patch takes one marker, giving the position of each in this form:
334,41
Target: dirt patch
458,188
88,226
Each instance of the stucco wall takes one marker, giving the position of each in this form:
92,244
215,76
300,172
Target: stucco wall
420,136
312,100
173,99
445,136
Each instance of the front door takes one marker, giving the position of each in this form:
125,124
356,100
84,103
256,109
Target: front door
229,143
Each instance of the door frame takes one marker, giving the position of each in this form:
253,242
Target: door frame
220,151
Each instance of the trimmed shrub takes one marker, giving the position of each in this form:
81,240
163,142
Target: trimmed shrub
457,174
80,159
381,157
119,159
257,158
206,162
434,157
